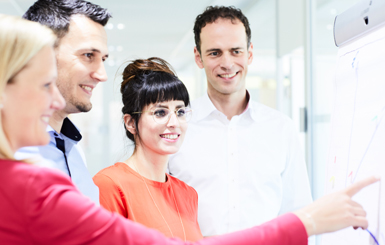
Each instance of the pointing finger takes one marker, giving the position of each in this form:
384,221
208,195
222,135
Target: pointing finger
356,187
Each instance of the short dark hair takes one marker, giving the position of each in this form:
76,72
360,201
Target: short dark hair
212,13
56,14
149,81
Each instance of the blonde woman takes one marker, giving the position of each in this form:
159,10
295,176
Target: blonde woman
42,206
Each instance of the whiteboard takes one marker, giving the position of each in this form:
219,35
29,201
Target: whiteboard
357,144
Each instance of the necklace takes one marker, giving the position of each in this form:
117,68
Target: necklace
173,195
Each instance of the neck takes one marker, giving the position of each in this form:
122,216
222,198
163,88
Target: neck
229,104
56,121
150,165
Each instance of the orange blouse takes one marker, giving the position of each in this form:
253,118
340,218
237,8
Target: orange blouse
122,190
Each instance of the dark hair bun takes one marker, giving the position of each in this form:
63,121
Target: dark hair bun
144,66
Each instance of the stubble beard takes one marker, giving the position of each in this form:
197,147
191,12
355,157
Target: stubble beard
80,107
73,103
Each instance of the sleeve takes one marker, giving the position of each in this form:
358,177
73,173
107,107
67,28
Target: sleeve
284,230
295,180
56,213
110,195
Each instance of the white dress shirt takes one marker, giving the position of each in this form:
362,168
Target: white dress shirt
50,156
246,170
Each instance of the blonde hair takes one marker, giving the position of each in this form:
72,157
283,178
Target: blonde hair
20,40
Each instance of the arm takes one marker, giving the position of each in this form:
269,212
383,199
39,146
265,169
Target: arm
284,230
58,214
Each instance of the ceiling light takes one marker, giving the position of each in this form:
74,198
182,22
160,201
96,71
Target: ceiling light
120,26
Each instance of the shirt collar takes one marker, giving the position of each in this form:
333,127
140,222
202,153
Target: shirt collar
251,108
204,107
68,129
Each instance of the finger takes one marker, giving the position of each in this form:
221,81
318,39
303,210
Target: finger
358,212
356,187
360,222
354,204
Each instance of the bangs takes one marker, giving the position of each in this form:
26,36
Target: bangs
161,87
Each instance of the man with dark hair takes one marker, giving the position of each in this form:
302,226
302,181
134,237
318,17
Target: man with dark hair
81,49
243,158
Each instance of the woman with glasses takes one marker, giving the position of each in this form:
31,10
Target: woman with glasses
155,112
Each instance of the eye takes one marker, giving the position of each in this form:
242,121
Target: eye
89,55
160,113
48,85
214,53
237,52
181,112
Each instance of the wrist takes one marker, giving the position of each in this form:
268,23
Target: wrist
307,221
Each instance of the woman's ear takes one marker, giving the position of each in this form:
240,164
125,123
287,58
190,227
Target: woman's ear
129,122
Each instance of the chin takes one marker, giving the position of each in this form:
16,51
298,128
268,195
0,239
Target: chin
82,106
170,152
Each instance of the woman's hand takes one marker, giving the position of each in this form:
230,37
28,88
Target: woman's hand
335,211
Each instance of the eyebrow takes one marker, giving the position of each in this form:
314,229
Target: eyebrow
213,50
218,50
163,106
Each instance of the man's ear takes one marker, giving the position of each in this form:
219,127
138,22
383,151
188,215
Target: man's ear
251,56
198,58
129,123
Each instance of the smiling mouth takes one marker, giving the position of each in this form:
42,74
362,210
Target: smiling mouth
170,136
229,75
87,88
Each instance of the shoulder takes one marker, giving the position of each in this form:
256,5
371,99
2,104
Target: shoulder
39,174
264,113
201,101
37,182
110,171
113,174
182,186
45,177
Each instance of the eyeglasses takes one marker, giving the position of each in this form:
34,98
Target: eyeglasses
162,115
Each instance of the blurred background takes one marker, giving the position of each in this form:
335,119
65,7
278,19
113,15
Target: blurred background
292,70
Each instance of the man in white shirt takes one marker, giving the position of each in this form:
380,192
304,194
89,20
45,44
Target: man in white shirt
81,49
243,158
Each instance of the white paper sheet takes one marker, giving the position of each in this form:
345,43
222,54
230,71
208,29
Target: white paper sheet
357,145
